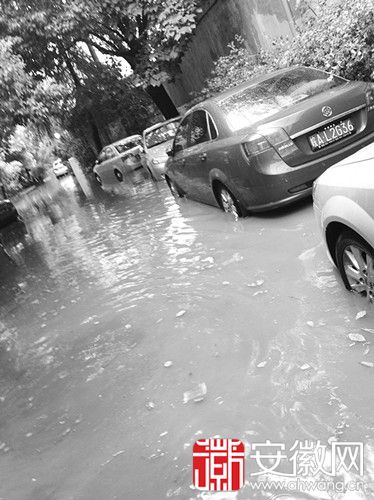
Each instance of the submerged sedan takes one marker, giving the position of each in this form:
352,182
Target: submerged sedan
262,144
156,141
120,162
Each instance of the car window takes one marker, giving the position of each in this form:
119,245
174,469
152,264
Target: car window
102,156
199,131
161,134
110,153
126,144
212,128
181,136
261,100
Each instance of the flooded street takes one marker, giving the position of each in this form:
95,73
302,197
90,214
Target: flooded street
114,306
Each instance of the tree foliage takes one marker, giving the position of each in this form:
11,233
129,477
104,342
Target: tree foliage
151,35
22,98
339,38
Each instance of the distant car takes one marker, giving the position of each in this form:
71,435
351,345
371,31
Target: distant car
262,144
156,141
8,213
120,161
59,168
344,207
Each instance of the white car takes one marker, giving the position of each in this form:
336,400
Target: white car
120,161
156,141
59,168
344,206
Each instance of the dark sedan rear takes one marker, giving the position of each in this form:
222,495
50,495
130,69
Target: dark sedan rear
262,144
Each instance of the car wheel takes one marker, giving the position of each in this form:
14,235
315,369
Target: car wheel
118,175
355,261
175,191
98,179
228,202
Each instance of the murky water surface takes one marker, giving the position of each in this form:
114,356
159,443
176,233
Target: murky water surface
97,293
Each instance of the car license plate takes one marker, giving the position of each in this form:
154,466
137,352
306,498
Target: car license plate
331,133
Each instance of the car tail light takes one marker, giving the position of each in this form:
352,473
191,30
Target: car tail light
281,142
255,145
270,139
370,96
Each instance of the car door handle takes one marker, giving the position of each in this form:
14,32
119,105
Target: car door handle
202,156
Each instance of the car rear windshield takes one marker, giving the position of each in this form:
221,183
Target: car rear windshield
266,98
125,146
161,134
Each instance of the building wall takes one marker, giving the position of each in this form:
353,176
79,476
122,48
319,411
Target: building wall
257,21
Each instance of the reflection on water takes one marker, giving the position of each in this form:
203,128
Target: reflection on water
98,293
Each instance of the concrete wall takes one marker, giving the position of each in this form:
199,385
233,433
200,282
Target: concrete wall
258,21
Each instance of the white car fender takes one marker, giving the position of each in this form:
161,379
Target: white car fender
350,214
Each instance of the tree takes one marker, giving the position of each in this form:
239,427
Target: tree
338,38
150,35
22,98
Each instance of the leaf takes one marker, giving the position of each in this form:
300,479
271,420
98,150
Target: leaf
356,337
262,364
368,364
360,314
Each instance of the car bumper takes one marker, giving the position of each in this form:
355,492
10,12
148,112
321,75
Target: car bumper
273,191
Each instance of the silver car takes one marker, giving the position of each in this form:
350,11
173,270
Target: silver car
120,161
156,141
344,207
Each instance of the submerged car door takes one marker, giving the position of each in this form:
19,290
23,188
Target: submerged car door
180,154
198,162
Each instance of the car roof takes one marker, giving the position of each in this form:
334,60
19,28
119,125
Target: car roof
238,88
160,124
124,140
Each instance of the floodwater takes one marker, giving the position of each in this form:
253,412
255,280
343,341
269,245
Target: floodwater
98,292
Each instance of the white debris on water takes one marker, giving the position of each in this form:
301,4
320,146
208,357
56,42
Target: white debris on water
361,314
356,337
198,394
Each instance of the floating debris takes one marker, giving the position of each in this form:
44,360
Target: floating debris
305,366
164,434
368,364
118,453
150,405
167,364
262,364
41,340
197,394
368,330
356,337
310,323
360,314
256,283
180,313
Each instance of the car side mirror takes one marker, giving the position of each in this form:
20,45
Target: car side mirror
170,152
